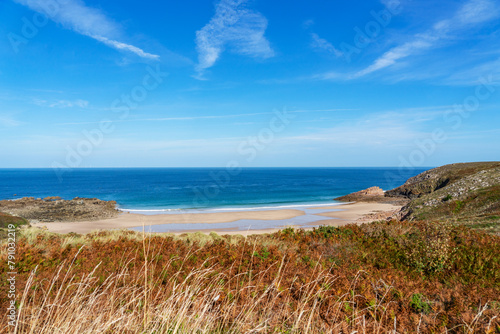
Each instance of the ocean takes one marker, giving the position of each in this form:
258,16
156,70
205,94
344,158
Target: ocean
156,190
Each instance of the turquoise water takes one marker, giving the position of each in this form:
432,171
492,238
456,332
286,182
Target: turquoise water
154,190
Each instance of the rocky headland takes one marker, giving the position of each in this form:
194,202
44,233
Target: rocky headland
52,209
468,192
462,192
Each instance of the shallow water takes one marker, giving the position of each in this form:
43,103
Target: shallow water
247,224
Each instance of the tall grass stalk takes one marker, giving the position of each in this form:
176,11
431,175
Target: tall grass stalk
204,301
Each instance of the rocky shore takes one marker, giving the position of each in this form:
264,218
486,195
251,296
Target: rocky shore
54,209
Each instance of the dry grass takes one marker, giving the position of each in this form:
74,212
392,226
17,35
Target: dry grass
204,301
128,282
31,235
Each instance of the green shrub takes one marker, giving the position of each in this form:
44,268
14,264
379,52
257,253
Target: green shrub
6,220
428,250
419,305
330,231
458,206
447,198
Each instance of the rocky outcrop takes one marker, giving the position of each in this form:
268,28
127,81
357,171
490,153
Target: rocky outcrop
361,195
372,191
53,209
372,194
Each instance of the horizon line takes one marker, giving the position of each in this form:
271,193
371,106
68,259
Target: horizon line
221,167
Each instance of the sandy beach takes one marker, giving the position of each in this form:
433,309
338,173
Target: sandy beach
354,211
340,214
129,220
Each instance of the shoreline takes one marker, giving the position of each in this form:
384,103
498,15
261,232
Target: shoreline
239,208
233,222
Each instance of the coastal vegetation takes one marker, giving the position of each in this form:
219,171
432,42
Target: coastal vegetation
6,219
382,276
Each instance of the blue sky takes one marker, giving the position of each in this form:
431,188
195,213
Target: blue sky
257,83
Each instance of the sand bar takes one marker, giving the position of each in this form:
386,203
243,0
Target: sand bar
340,214
128,220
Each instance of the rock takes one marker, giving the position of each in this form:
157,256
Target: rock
52,198
372,194
372,191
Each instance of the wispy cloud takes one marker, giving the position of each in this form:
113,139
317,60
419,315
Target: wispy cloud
392,3
193,118
390,57
46,90
125,47
319,43
471,13
383,129
233,26
471,75
62,103
91,22
8,121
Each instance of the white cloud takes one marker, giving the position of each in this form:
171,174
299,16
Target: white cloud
91,22
233,26
390,57
126,47
62,103
323,44
477,11
471,13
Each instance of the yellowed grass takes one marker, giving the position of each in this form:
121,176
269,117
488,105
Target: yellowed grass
87,306
31,234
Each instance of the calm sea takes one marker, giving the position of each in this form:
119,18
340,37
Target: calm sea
165,189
